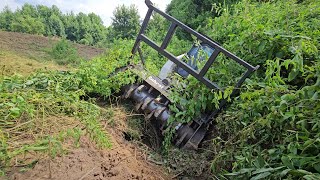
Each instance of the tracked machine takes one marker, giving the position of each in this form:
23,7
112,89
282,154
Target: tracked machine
152,96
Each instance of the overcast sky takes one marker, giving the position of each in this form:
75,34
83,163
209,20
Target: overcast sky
103,8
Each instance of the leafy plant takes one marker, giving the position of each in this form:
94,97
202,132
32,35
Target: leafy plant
64,53
271,130
33,106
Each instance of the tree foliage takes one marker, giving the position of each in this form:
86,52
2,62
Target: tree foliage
195,13
125,22
6,18
83,28
43,20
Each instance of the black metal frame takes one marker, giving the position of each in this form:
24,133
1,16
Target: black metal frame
198,75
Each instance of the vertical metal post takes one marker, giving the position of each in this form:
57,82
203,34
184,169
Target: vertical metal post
143,28
209,62
169,35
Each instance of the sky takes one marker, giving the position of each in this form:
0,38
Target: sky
103,8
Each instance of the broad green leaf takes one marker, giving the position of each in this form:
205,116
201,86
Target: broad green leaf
262,46
260,161
242,171
260,176
315,96
259,171
285,172
233,174
300,172
317,167
287,162
293,74
15,111
311,177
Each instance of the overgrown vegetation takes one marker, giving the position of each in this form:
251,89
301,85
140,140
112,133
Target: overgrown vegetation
195,13
64,53
31,107
270,131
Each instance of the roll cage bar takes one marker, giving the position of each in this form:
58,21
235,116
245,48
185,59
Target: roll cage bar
163,51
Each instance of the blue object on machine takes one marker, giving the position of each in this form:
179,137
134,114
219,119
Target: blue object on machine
193,58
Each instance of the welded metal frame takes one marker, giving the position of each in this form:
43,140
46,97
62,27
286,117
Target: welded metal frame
198,75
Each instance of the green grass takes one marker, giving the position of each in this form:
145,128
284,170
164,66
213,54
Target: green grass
13,63
40,111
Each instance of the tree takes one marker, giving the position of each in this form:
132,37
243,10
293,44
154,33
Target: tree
44,12
125,22
6,17
55,26
98,30
71,27
55,10
157,28
29,10
86,29
26,24
195,13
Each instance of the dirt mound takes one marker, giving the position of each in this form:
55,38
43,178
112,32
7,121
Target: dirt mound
87,162
124,160
35,46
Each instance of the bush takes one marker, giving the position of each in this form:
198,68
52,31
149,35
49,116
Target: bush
96,73
64,53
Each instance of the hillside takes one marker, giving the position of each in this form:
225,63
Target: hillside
35,46
24,53
25,152
77,123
